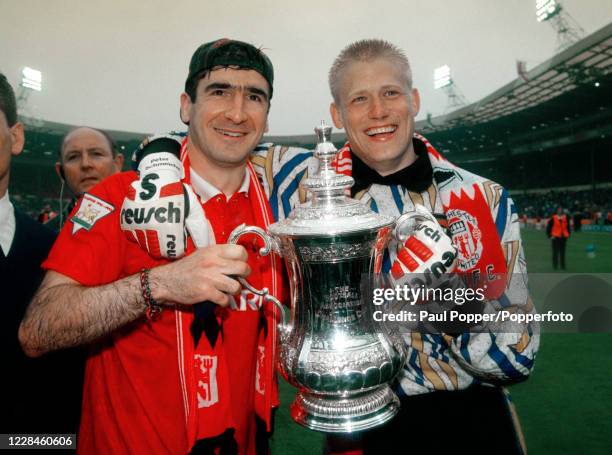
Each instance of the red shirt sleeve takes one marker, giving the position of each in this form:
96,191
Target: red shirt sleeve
91,246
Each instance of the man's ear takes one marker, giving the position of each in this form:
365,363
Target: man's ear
335,115
17,138
415,101
119,159
185,108
59,171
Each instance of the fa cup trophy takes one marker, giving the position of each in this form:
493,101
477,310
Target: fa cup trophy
332,350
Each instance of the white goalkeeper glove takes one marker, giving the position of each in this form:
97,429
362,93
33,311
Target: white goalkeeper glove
159,208
424,249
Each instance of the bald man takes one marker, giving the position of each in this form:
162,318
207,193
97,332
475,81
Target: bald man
87,156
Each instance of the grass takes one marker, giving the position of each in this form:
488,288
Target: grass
566,405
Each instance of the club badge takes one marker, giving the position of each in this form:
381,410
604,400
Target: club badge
91,210
466,236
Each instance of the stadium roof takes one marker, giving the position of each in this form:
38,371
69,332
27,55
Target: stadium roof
564,100
586,62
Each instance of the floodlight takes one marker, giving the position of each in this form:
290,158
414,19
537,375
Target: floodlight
32,79
545,9
442,77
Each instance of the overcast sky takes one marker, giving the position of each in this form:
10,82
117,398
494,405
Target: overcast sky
122,64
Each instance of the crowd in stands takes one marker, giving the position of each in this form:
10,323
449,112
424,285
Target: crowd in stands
587,205
593,205
39,208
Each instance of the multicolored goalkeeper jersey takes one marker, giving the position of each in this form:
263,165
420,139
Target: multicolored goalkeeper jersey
483,225
437,361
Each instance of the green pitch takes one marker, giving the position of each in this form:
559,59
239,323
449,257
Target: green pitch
566,405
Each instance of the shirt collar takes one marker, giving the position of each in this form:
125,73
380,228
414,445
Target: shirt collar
416,177
207,191
7,223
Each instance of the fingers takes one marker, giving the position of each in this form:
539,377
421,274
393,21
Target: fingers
227,284
235,267
237,252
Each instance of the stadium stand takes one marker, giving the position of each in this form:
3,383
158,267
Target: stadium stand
549,128
587,203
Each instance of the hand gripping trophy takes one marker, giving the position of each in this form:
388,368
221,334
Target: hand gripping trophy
332,350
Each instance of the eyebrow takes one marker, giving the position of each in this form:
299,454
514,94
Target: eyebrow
88,150
225,86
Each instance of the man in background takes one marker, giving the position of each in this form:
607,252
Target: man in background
38,395
86,157
558,231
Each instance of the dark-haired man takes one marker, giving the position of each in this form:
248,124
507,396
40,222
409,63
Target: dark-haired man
154,383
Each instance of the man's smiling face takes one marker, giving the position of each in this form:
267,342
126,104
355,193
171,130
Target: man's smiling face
229,116
377,110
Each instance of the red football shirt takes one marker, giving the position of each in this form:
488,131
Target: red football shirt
145,385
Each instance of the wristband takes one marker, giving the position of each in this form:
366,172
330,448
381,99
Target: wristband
154,309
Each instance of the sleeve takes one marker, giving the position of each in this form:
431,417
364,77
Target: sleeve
281,169
503,352
90,247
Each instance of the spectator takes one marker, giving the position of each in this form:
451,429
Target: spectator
86,157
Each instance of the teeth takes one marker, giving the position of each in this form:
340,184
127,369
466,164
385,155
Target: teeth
382,129
231,133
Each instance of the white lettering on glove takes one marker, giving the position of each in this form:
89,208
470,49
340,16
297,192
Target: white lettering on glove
425,250
159,207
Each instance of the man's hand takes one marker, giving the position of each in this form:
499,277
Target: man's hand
424,249
208,274
158,207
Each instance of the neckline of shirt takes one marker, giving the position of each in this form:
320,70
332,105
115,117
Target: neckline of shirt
415,177
207,190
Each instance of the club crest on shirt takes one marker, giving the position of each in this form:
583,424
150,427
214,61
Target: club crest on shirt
91,210
466,236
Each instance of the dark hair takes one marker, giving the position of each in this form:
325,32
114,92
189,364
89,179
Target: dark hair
8,104
226,53
109,139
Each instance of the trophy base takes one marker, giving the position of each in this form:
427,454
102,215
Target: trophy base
345,415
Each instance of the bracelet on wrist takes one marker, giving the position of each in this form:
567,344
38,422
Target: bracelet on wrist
154,309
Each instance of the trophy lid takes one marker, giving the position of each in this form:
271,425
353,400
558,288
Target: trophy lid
330,210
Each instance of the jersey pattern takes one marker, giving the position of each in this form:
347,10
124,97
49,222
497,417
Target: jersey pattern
435,361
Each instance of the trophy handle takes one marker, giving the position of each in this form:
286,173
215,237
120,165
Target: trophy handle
404,225
270,245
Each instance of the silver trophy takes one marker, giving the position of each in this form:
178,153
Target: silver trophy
332,350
